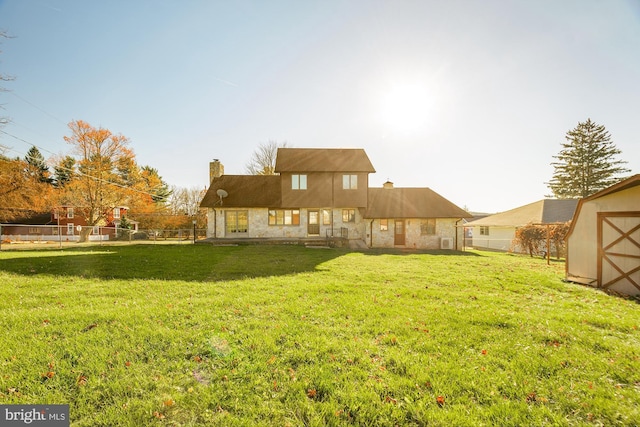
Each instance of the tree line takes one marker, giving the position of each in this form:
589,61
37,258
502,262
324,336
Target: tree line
100,173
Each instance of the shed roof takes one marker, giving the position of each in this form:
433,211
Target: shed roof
625,184
323,160
622,185
547,211
246,191
411,203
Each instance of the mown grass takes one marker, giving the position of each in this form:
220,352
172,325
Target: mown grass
255,335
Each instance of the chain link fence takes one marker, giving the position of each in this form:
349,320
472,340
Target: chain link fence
21,234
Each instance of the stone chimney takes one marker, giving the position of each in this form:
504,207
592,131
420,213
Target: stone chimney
216,169
387,184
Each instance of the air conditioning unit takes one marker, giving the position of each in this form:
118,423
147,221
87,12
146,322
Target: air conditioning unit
446,243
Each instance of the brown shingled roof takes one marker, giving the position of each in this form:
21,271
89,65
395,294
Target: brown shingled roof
323,160
411,203
245,191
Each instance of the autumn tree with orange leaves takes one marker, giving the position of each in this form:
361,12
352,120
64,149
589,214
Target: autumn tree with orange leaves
105,175
99,184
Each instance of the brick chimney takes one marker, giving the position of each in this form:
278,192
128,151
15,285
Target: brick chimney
216,169
387,184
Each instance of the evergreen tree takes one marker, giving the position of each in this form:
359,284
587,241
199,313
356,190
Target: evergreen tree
63,171
155,185
36,166
587,162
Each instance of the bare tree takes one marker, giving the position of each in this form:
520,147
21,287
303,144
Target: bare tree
185,201
263,159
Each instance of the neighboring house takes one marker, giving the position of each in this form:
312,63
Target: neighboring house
63,223
69,219
499,230
324,193
31,224
603,243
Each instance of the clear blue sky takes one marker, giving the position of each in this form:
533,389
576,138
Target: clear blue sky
469,98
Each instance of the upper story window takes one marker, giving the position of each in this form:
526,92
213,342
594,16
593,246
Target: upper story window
298,182
69,212
349,182
116,213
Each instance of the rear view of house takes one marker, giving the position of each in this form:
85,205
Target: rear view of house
324,193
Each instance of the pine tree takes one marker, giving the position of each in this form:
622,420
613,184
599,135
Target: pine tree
37,166
64,171
587,162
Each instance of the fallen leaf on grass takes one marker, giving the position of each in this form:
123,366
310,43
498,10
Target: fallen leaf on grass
168,402
82,380
88,328
312,393
440,400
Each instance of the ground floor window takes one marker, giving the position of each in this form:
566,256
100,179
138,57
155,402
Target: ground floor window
348,215
70,228
284,216
484,230
428,227
236,221
326,217
384,225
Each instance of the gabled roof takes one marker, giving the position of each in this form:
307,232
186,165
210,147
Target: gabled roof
411,203
625,184
547,211
247,191
323,160
622,185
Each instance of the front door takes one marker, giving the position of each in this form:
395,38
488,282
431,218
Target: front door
399,232
313,223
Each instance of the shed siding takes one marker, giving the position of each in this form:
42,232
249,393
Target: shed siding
582,244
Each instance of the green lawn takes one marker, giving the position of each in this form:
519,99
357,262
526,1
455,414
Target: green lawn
283,335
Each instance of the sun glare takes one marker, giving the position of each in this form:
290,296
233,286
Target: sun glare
406,107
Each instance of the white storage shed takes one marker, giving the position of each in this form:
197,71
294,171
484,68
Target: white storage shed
603,243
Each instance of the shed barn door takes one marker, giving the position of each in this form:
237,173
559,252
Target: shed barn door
619,251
